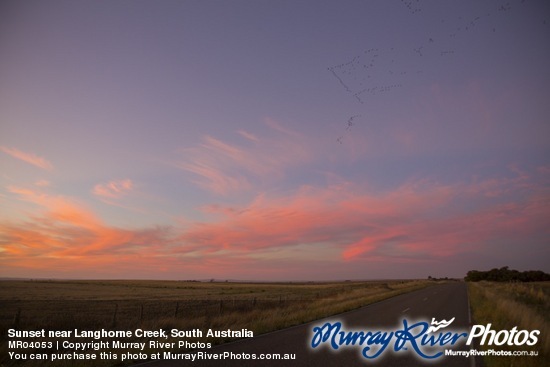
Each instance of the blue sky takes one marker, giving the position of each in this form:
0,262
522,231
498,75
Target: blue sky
273,140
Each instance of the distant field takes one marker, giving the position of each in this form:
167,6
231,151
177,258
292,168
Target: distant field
505,305
184,305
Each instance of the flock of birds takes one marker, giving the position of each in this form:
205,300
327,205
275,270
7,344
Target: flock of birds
377,70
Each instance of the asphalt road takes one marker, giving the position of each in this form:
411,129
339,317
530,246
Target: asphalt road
443,301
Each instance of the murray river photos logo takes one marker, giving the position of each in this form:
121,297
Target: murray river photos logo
426,340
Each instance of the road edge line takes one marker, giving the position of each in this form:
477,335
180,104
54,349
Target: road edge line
472,358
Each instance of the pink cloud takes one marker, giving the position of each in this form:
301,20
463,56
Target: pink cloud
66,229
58,207
248,135
213,178
275,125
28,158
354,221
343,226
113,189
223,168
42,183
419,220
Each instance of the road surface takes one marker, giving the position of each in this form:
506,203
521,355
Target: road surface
443,301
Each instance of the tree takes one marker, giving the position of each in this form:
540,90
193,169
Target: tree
504,274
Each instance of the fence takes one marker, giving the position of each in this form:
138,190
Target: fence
123,314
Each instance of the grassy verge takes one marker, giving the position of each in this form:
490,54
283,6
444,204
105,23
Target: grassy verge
127,305
505,305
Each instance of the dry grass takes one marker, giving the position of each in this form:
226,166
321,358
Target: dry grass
127,305
505,305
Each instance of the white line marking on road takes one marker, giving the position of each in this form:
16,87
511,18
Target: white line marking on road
472,358
405,310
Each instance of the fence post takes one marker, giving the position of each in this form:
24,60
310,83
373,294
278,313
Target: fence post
114,314
17,317
177,309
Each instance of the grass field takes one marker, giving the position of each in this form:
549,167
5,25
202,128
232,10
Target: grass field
183,305
505,305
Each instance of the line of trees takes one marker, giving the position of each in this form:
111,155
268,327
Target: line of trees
507,275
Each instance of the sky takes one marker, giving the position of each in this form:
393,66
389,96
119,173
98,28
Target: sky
273,140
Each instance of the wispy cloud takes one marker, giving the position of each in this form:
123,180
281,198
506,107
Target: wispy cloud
248,135
42,183
223,167
28,158
66,228
57,207
344,226
113,189
345,217
275,125
409,224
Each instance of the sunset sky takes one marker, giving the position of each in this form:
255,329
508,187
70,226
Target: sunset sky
273,140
